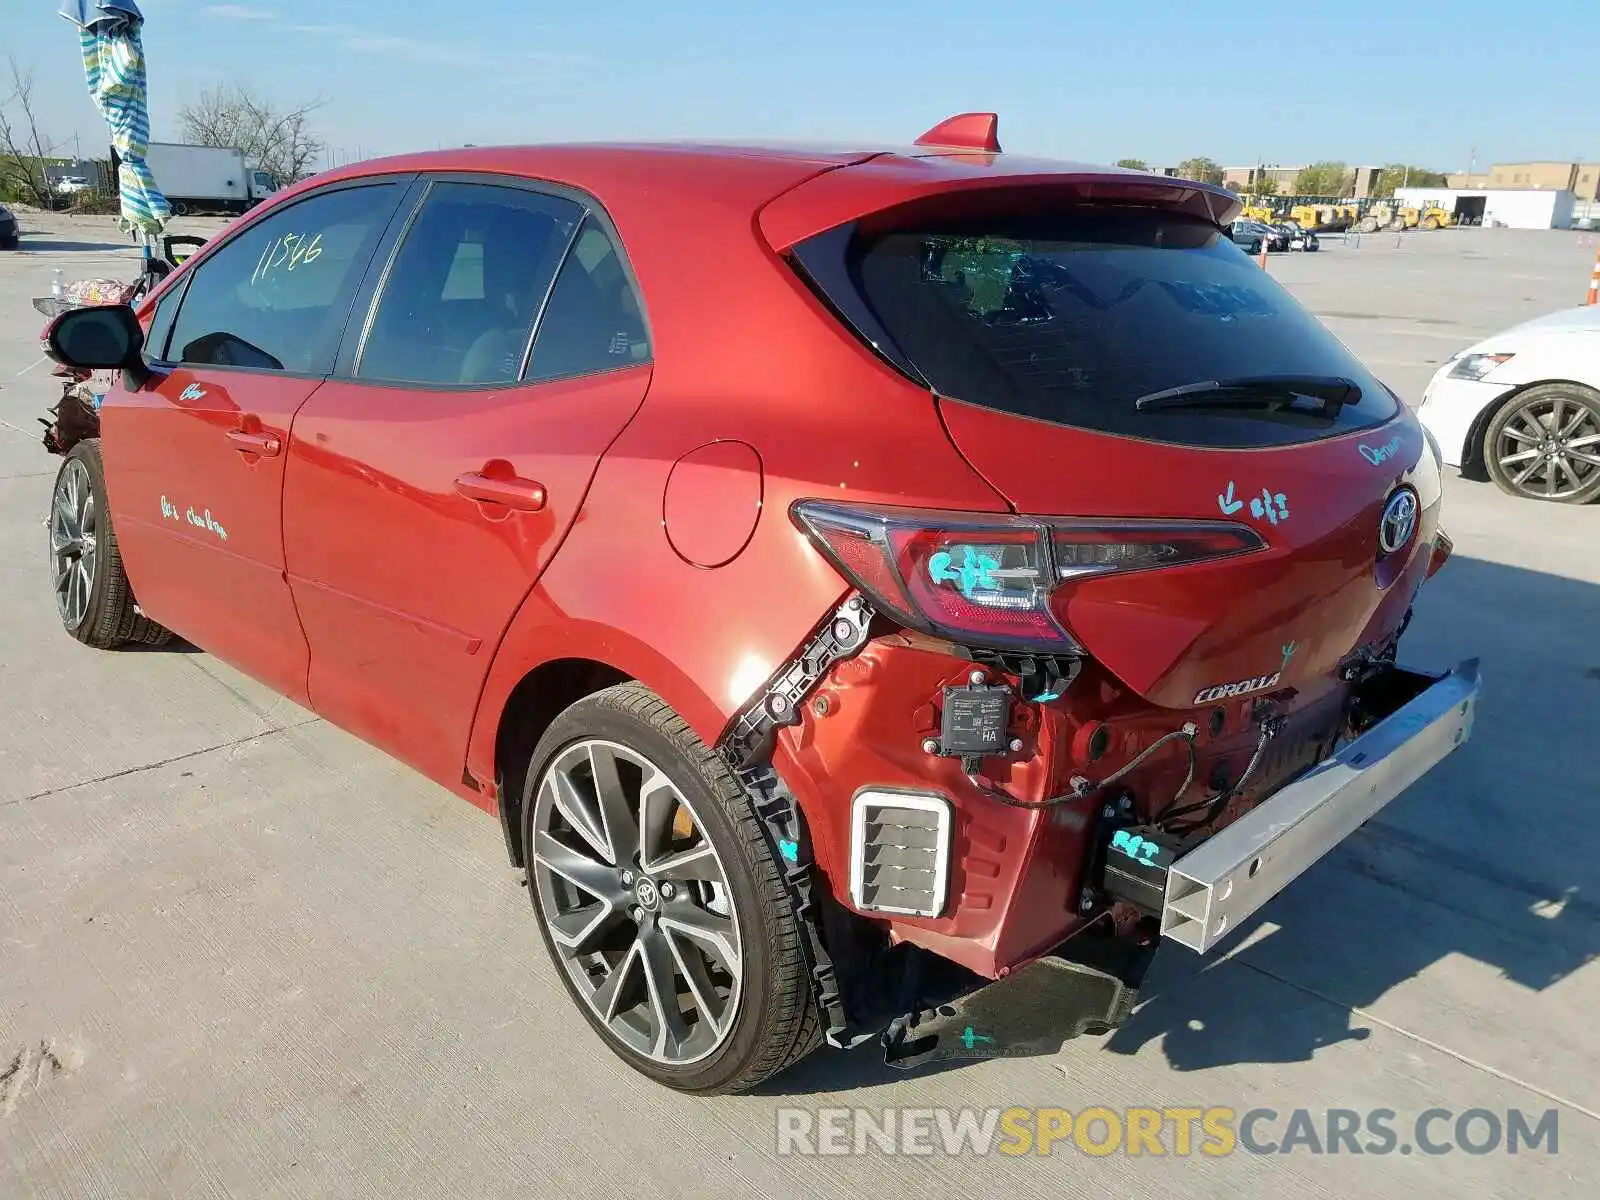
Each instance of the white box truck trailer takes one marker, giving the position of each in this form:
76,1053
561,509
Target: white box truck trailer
206,179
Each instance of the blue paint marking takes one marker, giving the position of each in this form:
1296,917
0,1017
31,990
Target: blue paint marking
973,573
970,1039
1134,846
1377,456
1047,697
790,850
1273,506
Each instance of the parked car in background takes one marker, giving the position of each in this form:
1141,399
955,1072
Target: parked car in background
72,185
700,513
10,232
1277,236
1247,235
1523,408
1259,231
1298,238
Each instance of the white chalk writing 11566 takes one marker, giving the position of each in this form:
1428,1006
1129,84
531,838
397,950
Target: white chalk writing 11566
288,252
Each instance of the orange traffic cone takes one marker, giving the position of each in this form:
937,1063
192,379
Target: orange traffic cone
1594,283
1264,259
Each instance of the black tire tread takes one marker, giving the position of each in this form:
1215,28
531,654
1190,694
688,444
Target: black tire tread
794,1024
113,619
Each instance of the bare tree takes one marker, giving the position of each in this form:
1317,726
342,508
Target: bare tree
280,141
24,147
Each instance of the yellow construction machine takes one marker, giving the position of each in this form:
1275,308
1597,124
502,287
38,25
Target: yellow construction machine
1255,210
1395,218
1430,217
1323,218
1382,215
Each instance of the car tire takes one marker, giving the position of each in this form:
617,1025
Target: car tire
1544,444
93,598
678,884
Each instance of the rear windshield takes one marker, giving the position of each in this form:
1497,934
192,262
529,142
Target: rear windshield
1071,316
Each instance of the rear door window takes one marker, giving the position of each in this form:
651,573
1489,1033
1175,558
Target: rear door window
594,321
469,280
1072,317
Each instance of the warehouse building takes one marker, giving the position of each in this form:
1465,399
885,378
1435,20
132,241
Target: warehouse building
1515,208
1582,179
1284,180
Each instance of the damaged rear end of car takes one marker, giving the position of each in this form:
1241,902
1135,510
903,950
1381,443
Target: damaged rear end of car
1032,745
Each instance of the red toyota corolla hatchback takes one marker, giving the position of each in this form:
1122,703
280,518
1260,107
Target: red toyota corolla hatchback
853,578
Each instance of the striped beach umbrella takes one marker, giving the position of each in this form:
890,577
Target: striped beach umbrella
113,65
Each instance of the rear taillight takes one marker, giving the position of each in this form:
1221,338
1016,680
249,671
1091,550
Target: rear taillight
996,581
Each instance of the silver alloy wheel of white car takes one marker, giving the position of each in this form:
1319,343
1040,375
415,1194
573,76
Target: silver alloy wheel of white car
1545,444
636,901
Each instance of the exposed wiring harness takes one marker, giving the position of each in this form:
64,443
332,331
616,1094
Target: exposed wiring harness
1212,806
1082,788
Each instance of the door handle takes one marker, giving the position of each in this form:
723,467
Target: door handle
502,488
265,444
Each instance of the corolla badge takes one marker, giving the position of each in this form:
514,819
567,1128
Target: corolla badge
1226,691
1399,521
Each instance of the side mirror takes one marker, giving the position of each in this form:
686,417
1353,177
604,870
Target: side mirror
102,338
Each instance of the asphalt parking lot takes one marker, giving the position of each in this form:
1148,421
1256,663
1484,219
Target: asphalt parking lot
243,955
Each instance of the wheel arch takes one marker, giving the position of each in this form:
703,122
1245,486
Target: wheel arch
1473,464
547,663
538,698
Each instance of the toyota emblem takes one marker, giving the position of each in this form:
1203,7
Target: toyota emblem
1399,521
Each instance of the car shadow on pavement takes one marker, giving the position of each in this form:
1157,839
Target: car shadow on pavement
1492,858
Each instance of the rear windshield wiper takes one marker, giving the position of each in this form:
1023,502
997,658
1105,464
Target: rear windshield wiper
1331,392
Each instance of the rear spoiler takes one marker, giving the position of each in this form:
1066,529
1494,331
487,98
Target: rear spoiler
889,181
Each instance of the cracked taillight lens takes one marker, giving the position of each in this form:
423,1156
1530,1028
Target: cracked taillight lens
989,580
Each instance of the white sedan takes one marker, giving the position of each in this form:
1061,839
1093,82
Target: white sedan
1523,408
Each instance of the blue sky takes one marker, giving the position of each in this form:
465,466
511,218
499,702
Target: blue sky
1160,80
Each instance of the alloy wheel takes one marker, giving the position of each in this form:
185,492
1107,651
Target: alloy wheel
74,523
636,902
1549,449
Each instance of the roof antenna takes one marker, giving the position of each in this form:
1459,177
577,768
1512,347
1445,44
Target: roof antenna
965,131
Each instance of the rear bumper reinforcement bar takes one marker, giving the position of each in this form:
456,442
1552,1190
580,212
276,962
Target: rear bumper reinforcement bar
1224,880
